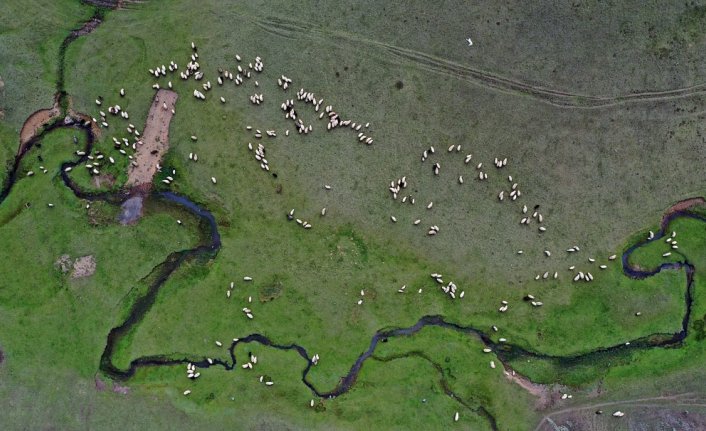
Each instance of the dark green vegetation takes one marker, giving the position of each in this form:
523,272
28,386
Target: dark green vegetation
599,174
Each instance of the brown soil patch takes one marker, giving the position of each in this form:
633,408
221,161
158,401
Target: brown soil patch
84,267
542,392
36,121
2,356
155,140
681,206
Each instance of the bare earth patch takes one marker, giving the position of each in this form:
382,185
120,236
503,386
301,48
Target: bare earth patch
36,121
155,140
542,392
119,389
84,267
63,263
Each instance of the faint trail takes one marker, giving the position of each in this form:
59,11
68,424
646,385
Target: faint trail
637,402
292,29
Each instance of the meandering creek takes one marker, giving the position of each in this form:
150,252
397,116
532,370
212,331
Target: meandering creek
505,352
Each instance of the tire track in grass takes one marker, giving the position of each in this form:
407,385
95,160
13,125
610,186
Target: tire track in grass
289,28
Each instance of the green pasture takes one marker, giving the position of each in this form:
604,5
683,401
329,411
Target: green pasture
560,91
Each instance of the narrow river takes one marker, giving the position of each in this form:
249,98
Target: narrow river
505,351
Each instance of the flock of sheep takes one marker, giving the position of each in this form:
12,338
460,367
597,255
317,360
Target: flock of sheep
397,187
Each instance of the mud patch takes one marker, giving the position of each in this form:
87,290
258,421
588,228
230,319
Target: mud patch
131,210
84,266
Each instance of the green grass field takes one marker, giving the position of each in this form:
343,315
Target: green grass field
542,85
29,47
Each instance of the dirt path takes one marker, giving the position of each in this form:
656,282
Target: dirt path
36,121
155,141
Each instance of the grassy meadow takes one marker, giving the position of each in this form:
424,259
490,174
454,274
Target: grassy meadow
29,49
542,85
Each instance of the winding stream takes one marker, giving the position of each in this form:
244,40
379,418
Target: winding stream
505,352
